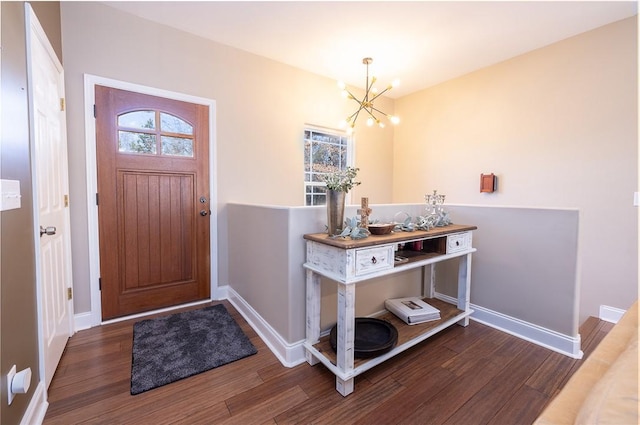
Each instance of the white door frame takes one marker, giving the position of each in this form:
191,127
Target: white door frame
34,30
90,81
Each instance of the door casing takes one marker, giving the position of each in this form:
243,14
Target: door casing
90,81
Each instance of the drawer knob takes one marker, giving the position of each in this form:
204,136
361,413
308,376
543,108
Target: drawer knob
373,260
457,243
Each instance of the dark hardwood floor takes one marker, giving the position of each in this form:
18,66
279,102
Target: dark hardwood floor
472,375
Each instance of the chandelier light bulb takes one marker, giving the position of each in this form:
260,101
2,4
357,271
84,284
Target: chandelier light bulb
369,122
394,119
341,85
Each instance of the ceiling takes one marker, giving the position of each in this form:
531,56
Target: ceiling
421,43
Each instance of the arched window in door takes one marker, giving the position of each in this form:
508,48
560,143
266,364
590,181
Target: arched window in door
153,132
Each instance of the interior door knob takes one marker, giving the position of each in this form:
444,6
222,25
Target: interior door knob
49,231
203,212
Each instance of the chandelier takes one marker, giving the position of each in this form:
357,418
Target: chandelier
365,106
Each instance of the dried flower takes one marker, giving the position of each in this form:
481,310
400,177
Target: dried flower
342,181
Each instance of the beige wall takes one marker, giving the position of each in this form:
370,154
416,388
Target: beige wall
262,107
559,127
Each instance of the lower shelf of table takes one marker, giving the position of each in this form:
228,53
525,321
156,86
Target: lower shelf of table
408,336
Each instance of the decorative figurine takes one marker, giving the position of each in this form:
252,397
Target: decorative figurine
364,212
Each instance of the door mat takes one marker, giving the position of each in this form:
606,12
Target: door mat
170,348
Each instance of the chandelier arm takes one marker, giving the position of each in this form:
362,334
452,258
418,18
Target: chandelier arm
357,113
353,115
352,96
371,113
378,110
380,94
369,88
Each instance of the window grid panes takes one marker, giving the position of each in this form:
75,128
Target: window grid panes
324,152
138,133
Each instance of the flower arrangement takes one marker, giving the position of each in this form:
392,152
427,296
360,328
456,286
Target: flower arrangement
342,181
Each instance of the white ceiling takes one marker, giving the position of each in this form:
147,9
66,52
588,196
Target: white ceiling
422,43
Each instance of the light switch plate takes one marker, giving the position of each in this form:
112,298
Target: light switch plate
9,195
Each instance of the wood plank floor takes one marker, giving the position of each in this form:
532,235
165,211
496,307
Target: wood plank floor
472,375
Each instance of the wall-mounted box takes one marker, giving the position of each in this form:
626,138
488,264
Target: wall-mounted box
488,183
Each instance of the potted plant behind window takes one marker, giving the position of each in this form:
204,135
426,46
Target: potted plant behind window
338,184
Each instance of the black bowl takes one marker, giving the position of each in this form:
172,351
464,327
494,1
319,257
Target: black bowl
373,337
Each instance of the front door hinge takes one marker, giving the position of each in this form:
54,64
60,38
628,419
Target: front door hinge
62,104
66,200
97,200
69,294
99,284
95,113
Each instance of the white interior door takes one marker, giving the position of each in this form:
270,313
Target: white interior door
50,180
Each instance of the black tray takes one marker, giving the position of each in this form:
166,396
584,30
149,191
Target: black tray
373,337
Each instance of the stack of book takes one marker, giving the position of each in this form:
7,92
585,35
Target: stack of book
412,310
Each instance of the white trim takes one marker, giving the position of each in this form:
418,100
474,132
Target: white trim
290,355
90,81
555,341
37,407
83,321
610,314
161,310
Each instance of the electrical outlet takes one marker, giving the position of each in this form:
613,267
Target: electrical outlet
10,376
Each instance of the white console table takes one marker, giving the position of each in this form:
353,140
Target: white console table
349,261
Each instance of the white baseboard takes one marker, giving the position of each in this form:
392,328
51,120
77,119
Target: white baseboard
563,344
290,355
34,415
82,321
610,314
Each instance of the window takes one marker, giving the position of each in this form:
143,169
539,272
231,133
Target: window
139,133
325,151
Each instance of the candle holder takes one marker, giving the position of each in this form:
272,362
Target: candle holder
434,203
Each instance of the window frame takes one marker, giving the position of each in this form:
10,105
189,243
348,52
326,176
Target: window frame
159,133
350,160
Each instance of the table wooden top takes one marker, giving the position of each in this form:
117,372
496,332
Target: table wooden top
393,237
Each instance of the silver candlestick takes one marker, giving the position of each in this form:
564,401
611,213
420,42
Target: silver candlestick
434,203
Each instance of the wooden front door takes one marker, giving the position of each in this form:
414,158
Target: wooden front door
153,201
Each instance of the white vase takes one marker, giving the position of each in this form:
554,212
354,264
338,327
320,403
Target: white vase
335,211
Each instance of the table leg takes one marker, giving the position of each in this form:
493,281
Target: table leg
464,285
345,336
429,281
313,313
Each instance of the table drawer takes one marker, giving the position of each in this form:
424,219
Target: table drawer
372,260
458,242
